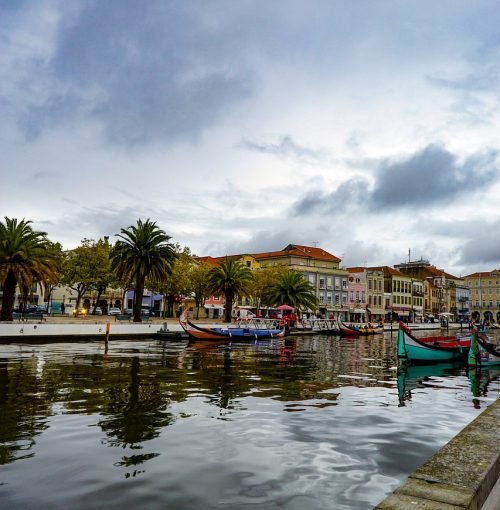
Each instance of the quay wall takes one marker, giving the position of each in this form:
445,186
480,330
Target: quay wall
459,476
36,331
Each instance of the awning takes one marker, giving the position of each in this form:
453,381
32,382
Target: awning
214,307
359,310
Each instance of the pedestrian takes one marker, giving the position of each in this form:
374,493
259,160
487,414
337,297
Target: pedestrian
63,308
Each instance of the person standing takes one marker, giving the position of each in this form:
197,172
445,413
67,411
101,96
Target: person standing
63,308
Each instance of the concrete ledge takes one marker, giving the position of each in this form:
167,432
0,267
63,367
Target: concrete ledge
459,476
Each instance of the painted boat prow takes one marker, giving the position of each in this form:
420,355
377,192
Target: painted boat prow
482,353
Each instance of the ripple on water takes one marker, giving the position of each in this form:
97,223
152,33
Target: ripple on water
303,423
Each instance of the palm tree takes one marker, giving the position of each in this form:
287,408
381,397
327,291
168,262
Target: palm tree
290,288
25,256
143,251
232,279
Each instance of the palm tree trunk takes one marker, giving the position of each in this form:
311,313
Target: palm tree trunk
229,306
9,295
139,291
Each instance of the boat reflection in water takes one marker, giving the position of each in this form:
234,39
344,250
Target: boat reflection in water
411,377
480,381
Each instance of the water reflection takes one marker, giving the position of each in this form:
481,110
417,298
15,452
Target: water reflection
267,424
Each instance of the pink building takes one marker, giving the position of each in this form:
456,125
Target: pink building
356,290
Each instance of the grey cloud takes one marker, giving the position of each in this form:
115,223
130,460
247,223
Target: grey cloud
144,71
286,147
347,196
486,251
432,176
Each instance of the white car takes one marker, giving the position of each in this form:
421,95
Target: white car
114,311
98,311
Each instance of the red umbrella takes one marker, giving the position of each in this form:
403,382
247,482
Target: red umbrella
285,307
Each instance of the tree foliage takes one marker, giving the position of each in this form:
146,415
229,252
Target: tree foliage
200,284
88,267
178,282
142,251
290,288
232,279
263,280
26,255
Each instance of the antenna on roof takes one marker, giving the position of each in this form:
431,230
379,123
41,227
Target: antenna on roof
409,255
315,243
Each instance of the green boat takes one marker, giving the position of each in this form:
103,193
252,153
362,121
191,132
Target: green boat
482,353
433,349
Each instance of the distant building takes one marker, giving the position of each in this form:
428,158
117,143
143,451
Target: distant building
357,292
321,269
443,292
484,290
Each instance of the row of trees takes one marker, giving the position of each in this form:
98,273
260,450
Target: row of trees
143,256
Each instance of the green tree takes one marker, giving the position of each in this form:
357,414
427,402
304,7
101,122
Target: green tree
200,284
263,280
143,251
26,255
232,279
178,283
88,267
292,289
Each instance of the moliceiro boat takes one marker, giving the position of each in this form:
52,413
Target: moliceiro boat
433,349
346,330
228,333
482,353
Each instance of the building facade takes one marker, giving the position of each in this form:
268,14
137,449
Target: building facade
357,294
321,269
484,288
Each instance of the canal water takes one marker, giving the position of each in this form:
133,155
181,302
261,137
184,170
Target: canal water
303,423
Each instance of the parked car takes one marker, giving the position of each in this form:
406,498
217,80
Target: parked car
98,310
114,311
128,311
80,311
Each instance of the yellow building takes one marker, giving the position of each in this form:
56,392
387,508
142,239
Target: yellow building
484,290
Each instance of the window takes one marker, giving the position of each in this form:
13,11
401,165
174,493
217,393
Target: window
329,298
380,301
357,296
321,299
344,284
344,299
363,297
352,297
248,263
321,283
216,298
369,300
369,285
329,282
312,278
337,299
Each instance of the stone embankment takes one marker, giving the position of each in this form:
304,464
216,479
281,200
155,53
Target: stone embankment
57,329
464,474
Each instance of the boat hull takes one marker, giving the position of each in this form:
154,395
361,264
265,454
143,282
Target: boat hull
430,350
229,334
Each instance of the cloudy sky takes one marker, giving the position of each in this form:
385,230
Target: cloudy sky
367,127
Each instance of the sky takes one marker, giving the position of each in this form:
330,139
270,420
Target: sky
368,127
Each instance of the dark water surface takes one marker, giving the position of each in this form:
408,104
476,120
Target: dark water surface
306,423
